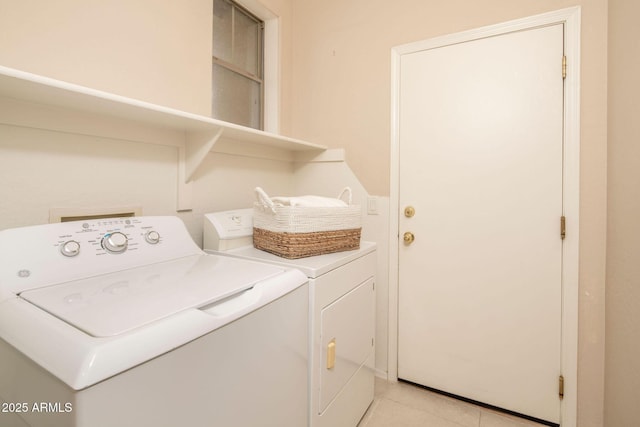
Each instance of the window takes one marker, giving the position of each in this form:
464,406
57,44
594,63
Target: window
237,74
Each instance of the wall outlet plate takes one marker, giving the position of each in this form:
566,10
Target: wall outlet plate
372,205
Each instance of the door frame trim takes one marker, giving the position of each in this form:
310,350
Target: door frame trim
571,18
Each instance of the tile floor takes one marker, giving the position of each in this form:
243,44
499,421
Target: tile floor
404,405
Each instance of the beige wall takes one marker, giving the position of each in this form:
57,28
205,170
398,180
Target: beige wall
341,98
144,49
623,234
159,52
335,76
41,170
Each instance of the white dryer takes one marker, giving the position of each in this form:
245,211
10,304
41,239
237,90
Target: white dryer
126,322
342,317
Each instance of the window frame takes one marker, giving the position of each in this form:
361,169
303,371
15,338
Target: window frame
259,79
271,64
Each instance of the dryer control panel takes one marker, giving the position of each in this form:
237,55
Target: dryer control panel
228,229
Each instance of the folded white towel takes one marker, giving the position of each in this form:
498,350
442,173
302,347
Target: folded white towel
302,201
309,201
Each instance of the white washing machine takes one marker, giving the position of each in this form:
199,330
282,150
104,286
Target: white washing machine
126,322
342,317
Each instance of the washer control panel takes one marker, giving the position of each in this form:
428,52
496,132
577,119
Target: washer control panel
54,253
113,236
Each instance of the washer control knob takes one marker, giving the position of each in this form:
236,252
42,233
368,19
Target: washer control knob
70,248
152,237
115,243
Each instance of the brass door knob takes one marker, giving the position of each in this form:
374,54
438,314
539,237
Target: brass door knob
409,237
409,211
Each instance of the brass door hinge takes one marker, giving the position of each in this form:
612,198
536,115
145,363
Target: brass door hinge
564,67
563,227
561,386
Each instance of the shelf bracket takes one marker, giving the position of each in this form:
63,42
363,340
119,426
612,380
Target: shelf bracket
190,155
198,145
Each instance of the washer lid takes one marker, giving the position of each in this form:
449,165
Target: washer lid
115,303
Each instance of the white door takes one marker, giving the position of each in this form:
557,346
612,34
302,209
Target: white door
481,126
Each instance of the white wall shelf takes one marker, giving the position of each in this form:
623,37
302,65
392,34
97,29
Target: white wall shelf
35,101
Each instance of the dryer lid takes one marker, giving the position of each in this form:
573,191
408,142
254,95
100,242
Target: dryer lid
115,303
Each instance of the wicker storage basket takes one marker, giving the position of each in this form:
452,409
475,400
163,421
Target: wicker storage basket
301,231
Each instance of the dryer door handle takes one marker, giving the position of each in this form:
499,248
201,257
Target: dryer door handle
331,354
